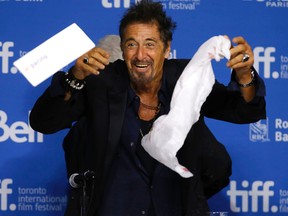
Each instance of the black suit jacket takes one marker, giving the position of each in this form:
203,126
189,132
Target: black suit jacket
92,143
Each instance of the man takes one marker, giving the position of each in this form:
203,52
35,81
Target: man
120,102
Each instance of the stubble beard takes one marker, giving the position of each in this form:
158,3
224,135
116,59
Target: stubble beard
140,79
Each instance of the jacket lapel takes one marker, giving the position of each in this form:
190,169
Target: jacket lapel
117,98
117,112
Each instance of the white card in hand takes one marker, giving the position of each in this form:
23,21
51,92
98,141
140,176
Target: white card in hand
54,54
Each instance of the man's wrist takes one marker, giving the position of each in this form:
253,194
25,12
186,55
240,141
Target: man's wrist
71,83
245,85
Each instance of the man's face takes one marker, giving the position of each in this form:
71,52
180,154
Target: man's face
143,52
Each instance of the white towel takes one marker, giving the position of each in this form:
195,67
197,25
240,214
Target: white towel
169,131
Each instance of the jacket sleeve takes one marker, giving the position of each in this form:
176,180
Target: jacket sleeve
51,113
226,103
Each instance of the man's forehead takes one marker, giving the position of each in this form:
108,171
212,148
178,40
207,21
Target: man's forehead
141,31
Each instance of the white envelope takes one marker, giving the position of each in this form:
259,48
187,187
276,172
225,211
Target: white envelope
54,54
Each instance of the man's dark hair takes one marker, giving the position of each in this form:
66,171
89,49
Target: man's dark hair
147,11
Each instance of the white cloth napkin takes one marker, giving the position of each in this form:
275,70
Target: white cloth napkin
169,131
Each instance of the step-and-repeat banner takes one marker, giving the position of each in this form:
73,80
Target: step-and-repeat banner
32,169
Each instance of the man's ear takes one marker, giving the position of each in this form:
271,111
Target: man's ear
168,49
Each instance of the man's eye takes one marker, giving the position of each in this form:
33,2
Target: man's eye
150,45
131,45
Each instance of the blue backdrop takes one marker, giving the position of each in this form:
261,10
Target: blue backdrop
32,169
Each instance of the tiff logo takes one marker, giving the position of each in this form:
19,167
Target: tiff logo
5,54
4,192
264,55
245,199
117,3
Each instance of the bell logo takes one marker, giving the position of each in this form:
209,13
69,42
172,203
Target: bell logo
4,192
18,132
248,199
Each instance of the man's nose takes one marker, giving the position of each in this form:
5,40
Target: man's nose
141,52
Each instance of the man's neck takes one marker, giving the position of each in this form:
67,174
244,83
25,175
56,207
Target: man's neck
148,95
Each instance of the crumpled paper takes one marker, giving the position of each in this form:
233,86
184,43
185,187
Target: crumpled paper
169,131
